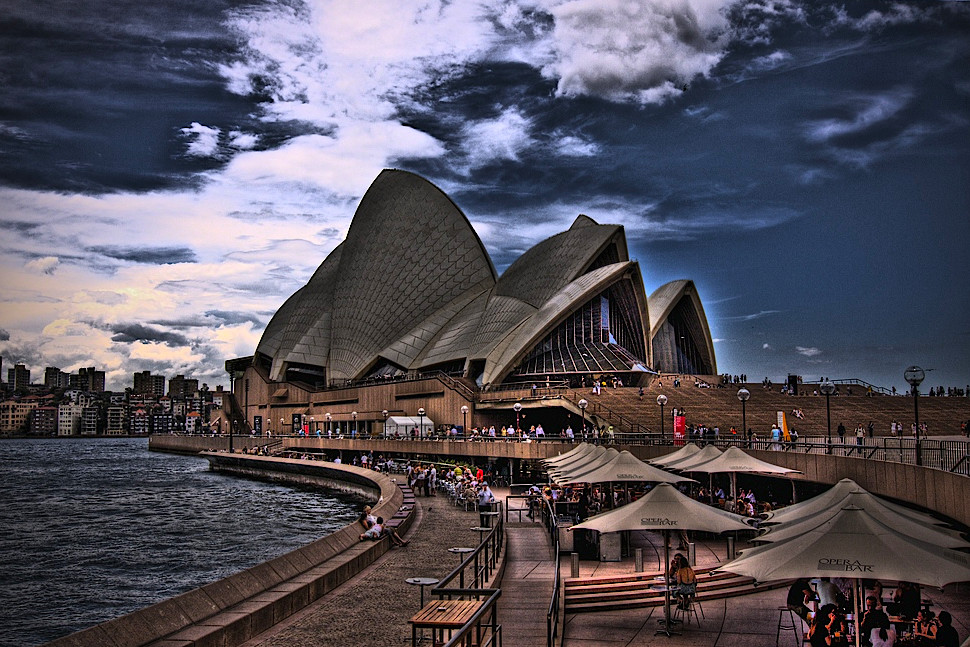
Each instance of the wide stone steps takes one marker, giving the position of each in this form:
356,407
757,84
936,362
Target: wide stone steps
615,593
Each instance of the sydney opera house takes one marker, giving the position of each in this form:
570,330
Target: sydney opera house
412,293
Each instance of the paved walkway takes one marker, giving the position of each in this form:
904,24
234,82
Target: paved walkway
526,585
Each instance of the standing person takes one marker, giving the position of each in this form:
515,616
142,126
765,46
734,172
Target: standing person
432,480
485,501
841,431
860,434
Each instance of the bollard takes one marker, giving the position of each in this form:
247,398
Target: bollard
574,565
692,554
731,553
638,560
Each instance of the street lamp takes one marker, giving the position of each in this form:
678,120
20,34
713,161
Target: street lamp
384,414
914,375
743,395
827,389
281,426
353,414
518,408
464,421
329,424
313,426
421,422
582,409
662,400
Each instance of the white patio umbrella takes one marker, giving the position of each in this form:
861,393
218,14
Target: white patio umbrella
686,451
853,544
579,450
664,508
580,459
571,471
708,453
873,506
830,498
627,467
735,460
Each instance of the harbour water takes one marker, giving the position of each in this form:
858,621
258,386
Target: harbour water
91,529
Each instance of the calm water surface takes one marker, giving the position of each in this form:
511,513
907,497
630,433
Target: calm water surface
91,529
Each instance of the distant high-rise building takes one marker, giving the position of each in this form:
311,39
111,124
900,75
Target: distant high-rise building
69,419
149,384
182,387
55,378
43,421
18,377
88,379
115,419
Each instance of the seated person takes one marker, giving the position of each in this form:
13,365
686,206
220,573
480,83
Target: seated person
882,637
906,600
374,532
946,635
686,583
925,628
872,618
366,519
799,595
819,634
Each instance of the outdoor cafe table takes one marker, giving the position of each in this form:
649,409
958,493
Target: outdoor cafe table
442,615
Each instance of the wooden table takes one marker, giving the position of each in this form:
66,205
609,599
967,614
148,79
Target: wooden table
442,615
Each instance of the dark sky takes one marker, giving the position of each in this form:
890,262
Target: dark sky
170,172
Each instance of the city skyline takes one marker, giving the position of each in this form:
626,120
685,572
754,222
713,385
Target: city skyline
171,174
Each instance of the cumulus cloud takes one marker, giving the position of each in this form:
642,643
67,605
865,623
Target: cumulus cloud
498,139
639,50
203,140
809,351
44,265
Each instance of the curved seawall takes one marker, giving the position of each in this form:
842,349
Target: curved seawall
234,609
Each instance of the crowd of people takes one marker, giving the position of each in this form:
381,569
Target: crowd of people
904,618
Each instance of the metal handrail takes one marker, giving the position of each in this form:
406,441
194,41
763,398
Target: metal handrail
491,546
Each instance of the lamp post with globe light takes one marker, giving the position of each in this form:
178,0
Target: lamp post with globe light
915,375
329,424
662,401
464,422
384,415
421,423
744,395
353,414
827,389
582,409
518,408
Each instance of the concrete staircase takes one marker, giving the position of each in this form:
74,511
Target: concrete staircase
619,592
720,406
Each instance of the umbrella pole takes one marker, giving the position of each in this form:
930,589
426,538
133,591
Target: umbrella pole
855,609
666,619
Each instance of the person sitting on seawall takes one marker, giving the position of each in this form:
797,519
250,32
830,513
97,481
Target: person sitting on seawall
377,531
366,519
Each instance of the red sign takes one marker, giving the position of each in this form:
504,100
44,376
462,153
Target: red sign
680,429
